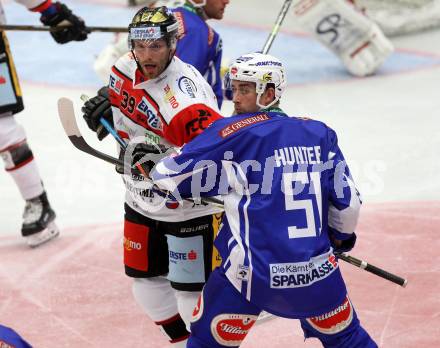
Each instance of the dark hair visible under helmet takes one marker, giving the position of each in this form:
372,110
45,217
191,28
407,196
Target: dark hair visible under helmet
153,24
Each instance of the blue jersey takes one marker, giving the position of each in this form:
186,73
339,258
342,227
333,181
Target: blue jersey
286,189
200,46
10,339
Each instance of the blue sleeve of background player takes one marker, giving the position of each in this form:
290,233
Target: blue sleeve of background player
201,47
12,339
193,49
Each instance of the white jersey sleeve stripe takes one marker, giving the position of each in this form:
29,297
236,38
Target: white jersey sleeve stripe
345,220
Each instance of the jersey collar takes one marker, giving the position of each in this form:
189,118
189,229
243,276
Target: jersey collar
198,11
274,109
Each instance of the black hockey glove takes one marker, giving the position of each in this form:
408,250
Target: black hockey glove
343,246
146,155
95,108
62,15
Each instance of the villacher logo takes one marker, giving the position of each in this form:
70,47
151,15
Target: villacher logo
230,329
334,321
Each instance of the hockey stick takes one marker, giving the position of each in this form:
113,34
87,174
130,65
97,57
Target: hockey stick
68,120
15,27
277,26
373,269
66,114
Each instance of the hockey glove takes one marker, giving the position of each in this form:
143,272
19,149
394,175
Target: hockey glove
342,246
95,108
146,155
60,14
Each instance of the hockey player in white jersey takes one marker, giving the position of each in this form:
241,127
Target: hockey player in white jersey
199,44
112,52
290,203
38,217
348,33
154,100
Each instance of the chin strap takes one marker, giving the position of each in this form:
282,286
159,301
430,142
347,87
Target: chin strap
262,107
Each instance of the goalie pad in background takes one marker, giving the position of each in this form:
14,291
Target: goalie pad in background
353,37
10,92
400,17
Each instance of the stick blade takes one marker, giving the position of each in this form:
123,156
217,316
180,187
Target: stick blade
66,113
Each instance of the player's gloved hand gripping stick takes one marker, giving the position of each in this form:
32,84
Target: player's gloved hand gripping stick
67,117
154,154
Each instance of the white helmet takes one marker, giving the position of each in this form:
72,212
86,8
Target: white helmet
262,69
197,3
169,3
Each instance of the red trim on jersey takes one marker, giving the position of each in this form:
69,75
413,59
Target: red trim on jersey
123,135
139,77
152,101
134,115
13,146
22,164
122,75
190,122
180,339
139,122
42,7
169,320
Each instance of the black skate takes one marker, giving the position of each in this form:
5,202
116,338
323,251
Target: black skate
38,221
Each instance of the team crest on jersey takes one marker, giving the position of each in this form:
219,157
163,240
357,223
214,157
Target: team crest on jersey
231,329
187,86
115,83
147,109
334,321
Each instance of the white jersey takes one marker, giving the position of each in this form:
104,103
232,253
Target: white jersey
170,110
31,5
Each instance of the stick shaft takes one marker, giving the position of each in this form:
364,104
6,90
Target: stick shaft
277,26
123,144
373,269
59,28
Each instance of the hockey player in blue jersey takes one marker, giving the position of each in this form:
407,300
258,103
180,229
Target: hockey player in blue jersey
290,202
199,44
10,339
